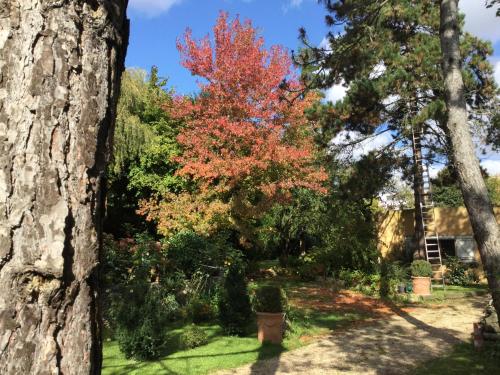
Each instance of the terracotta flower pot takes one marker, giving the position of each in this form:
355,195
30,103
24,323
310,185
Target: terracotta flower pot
421,286
271,327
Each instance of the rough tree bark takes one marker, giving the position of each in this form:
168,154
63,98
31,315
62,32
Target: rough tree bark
60,69
484,224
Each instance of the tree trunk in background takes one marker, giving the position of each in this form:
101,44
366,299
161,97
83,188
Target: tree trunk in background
482,218
418,189
60,69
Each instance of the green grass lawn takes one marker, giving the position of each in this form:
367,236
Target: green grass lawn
463,360
223,352
448,294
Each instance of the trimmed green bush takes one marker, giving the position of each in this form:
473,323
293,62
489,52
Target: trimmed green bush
307,270
189,252
392,274
193,337
145,342
270,299
421,268
234,302
200,310
458,273
366,283
398,272
140,318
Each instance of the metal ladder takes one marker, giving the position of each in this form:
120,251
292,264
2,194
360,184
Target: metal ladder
431,236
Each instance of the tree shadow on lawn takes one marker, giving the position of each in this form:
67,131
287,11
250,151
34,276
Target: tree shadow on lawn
268,360
391,346
175,362
441,333
265,352
363,345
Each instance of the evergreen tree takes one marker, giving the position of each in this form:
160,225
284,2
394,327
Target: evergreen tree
492,3
388,55
235,309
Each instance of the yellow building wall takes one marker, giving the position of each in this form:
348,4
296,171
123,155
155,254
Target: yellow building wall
395,226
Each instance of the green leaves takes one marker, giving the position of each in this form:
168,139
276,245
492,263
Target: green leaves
145,138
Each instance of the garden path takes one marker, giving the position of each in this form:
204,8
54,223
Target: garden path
390,345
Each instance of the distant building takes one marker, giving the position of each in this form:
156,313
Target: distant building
396,229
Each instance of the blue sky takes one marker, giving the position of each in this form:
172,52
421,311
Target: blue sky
156,24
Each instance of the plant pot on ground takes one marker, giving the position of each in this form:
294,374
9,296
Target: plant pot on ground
421,272
270,304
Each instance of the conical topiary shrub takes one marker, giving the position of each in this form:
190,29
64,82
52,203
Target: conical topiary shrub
234,304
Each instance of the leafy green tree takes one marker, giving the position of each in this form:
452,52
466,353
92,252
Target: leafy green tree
335,230
447,193
293,228
145,147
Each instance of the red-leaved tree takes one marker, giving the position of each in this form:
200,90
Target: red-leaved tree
246,137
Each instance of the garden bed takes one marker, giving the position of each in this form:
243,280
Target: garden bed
314,313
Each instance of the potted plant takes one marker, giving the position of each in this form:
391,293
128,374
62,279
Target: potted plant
270,304
399,273
421,272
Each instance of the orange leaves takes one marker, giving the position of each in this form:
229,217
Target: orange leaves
245,128
246,142
174,213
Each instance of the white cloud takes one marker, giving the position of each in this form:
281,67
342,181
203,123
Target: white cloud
378,70
325,43
480,20
296,3
335,93
152,8
434,169
291,4
391,101
497,70
356,149
492,166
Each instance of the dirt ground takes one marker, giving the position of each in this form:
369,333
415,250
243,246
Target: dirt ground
322,299
392,342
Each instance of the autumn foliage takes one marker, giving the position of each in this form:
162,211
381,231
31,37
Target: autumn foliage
201,212
246,136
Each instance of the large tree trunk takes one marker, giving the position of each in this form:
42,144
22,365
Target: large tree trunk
484,224
60,69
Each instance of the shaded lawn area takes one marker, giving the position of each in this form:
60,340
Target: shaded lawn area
308,316
463,360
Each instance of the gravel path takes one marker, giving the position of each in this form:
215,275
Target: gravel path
386,346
